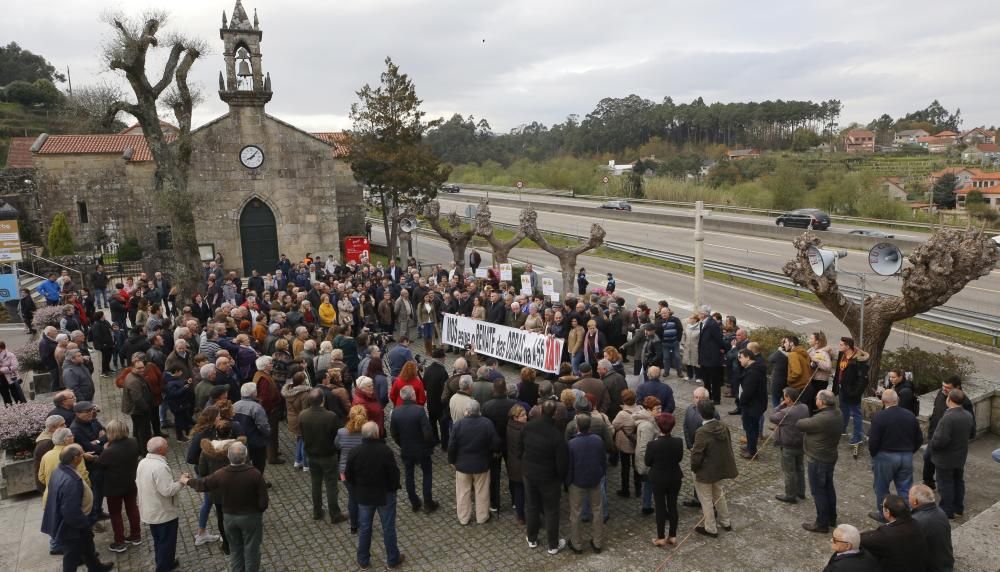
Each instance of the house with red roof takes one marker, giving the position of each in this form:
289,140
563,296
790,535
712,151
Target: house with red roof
859,141
981,153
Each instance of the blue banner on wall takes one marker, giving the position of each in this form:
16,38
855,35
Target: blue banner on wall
8,287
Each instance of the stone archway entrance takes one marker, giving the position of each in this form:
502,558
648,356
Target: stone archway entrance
258,238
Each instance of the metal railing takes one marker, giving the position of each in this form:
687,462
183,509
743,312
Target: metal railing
902,224
35,257
968,320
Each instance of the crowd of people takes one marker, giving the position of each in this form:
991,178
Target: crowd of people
324,348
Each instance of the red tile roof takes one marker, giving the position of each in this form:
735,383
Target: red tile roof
994,176
946,134
19,154
988,147
99,145
336,138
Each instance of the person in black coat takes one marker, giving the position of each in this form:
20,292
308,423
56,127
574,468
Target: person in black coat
373,476
411,430
104,341
752,399
497,410
435,377
117,306
940,406
63,518
711,347
119,461
935,526
663,458
26,308
898,545
544,464
778,362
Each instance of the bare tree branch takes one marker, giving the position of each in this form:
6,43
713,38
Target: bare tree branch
484,228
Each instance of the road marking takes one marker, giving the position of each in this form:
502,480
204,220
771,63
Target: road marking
747,250
984,289
801,321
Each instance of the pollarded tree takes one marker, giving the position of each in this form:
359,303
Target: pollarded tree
484,228
567,256
938,269
60,241
456,237
131,43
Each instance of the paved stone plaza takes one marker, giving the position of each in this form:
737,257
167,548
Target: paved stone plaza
766,536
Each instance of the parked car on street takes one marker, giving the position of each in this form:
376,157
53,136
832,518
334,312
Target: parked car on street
449,188
871,233
804,218
617,206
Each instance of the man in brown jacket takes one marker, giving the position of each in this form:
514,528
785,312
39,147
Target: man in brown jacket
593,386
244,500
712,461
799,372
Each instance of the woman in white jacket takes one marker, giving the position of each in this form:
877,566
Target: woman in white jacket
646,431
689,347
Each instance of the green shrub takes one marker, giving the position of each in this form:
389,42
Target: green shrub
129,250
60,238
769,338
929,368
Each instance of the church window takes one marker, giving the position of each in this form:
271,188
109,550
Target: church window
81,211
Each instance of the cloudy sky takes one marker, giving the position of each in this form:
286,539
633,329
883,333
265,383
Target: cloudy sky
515,61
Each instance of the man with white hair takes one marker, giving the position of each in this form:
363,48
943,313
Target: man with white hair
244,500
47,354
935,526
269,397
459,402
203,389
848,556
253,420
44,444
821,438
157,488
894,437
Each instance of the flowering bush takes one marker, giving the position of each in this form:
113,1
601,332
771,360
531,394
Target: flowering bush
28,357
20,424
47,316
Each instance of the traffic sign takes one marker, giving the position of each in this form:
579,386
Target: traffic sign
605,180
520,184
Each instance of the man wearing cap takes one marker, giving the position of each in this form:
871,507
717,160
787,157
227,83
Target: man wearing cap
89,433
76,377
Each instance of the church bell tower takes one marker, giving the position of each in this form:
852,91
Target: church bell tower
244,83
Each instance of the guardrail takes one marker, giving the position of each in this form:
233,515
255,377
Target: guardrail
900,224
977,322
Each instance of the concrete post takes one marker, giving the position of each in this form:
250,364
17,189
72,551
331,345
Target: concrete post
699,251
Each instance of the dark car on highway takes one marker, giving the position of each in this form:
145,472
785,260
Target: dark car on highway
617,206
805,218
450,188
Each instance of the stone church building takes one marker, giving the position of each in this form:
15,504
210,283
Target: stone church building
259,186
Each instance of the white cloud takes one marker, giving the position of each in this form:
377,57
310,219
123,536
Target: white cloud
545,60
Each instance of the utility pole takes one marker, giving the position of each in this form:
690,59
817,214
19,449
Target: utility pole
699,251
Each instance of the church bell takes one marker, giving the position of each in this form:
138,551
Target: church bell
244,69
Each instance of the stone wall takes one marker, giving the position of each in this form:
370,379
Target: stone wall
298,181
351,209
116,194
19,188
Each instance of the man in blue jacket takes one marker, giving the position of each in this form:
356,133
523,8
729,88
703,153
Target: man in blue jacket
50,290
65,517
588,463
892,440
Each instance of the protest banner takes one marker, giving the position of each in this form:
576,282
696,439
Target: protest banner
524,348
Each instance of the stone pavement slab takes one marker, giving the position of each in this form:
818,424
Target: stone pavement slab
766,536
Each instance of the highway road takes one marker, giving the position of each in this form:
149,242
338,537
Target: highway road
751,308
983,295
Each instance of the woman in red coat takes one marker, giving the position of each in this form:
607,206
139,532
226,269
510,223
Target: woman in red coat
408,376
364,395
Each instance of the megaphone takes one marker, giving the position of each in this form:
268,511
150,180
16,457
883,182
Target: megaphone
408,224
820,259
885,259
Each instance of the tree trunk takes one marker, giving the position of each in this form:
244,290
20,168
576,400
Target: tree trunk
567,256
457,238
938,269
